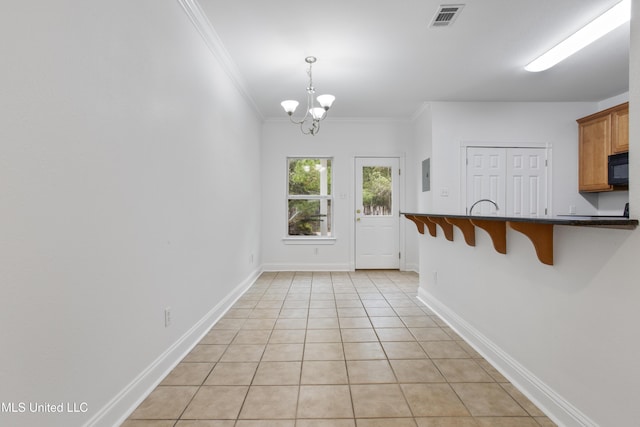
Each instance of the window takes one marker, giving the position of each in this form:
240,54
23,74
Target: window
309,197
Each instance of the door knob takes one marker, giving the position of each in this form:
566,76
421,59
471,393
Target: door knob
358,211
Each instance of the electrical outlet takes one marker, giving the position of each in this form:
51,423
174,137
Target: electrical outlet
167,317
435,277
572,210
444,192
315,251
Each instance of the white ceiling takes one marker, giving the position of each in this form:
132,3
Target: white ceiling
382,59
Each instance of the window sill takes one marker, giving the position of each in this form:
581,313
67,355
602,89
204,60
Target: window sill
309,240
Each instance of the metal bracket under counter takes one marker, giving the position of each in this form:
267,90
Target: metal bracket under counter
538,230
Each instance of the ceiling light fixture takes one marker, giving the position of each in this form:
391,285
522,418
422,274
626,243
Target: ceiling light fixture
310,123
605,23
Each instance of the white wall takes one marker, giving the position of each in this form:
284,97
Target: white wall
129,182
564,333
510,122
342,140
634,112
517,123
423,149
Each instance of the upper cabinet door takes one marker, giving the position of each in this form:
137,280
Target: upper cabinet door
594,149
620,130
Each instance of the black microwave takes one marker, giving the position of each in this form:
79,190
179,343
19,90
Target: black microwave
619,169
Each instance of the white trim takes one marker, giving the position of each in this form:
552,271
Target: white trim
202,24
548,400
412,267
116,411
548,152
423,107
307,267
403,207
292,240
504,144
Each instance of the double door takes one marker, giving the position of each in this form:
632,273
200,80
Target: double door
514,178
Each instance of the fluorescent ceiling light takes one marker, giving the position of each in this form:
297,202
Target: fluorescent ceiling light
605,23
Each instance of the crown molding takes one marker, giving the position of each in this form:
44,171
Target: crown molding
423,107
202,24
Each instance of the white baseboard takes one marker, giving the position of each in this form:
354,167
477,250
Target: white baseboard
306,267
551,403
116,411
412,267
322,267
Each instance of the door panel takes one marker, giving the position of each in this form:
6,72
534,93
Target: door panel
514,178
485,179
526,182
377,213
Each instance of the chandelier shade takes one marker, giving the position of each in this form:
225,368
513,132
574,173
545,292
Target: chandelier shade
325,101
317,113
310,122
289,106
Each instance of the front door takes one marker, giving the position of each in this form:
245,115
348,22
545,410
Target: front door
377,213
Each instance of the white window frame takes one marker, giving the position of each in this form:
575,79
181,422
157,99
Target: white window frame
310,239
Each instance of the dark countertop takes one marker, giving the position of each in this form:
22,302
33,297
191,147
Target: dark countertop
575,220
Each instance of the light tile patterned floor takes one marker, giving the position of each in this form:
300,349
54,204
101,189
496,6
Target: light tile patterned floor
334,350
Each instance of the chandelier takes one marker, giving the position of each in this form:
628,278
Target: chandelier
310,123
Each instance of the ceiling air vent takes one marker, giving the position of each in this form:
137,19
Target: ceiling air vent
446,15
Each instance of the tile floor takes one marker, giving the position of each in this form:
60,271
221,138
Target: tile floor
334,350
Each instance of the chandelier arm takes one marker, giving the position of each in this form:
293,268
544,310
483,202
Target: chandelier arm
306,111
305,131
298,122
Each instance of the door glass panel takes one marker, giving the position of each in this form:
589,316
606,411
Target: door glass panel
376,190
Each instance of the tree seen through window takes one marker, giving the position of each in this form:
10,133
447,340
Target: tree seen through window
376,190
309,197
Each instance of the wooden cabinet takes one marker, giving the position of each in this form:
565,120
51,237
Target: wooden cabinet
593,151
620,129
600,135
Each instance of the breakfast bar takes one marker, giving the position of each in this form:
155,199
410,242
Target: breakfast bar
538,229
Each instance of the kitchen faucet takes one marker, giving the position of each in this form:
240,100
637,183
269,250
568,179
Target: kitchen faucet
483,200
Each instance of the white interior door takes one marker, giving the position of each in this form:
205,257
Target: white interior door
486,173
377,213
515,178
526,182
